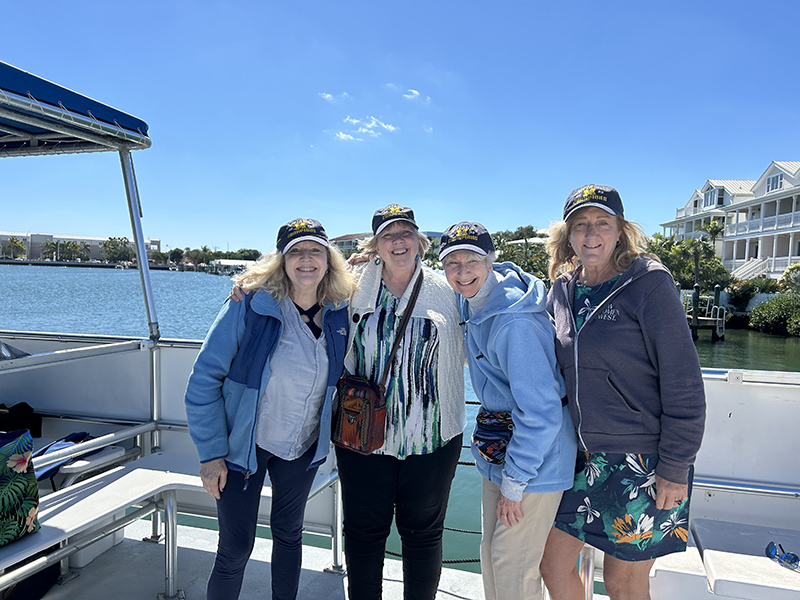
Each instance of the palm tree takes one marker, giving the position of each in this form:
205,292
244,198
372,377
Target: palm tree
50,248
713,230
695,249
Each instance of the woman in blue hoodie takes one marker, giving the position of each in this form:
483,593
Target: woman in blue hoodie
259,400
524,442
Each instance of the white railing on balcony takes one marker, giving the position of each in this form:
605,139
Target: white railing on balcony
779,264
773,223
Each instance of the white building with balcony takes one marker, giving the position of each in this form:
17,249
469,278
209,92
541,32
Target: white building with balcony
761,219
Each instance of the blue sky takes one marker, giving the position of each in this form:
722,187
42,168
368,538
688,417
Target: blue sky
260,112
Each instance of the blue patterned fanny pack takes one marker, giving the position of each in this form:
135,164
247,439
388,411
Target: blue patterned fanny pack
491,436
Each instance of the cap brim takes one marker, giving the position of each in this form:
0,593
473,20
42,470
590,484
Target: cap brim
385,224
305,238
457,247
586,205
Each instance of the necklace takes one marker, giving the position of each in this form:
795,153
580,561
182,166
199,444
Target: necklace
308,315
609,273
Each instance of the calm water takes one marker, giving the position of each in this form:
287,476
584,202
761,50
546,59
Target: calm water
109,301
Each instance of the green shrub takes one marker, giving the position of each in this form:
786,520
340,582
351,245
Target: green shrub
739,295
793,326
790,280
777,315
740,292
765,285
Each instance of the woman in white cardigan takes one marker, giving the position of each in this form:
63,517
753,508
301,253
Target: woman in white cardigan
408,478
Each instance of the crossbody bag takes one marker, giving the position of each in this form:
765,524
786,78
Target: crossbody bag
360,415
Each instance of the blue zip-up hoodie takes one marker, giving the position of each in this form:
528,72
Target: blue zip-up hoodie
512,364
231,373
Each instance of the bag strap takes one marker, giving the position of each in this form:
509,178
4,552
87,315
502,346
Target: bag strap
399,335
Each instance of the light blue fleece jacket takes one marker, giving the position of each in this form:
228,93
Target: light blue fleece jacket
231,373
512,364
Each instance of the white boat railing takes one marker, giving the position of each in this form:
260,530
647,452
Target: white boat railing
57,357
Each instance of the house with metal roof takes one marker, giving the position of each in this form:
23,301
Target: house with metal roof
761,220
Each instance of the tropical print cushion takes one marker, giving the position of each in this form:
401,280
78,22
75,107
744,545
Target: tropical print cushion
19,493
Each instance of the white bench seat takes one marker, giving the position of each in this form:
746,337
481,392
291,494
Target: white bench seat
735,563
82,508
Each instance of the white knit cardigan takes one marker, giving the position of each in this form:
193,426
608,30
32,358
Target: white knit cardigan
436,302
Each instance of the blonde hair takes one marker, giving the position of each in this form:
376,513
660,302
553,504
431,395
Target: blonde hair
337,284
369,246
632,240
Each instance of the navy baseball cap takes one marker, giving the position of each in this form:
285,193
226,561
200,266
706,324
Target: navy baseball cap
466,236
301,230
599,196
386,216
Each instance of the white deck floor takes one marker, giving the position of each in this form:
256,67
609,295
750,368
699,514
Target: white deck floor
134,570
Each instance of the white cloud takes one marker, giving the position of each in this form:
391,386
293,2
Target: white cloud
427,129
334,99
372,123
415,96
346,137
369,126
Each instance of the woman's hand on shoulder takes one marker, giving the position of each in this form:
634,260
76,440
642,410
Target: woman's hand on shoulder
358,258
509,512
238,292
214,475
670,494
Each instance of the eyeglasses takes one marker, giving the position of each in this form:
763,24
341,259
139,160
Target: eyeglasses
399,235
790,560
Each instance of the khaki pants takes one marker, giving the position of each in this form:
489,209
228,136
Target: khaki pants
510,556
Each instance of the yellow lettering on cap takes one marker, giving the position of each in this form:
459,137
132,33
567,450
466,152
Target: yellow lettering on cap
299,227
394,209
463,233
591,193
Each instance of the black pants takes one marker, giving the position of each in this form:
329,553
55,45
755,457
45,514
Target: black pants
374,488
237,511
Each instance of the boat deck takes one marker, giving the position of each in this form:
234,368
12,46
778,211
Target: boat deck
138,572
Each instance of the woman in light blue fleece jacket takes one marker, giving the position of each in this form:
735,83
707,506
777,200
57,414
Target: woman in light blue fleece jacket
510,351
259,400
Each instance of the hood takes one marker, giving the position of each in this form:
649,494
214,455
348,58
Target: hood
516,292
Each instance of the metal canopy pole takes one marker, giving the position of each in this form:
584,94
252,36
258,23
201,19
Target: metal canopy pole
134,208
135,211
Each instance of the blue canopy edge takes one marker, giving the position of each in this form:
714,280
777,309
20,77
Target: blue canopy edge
23,83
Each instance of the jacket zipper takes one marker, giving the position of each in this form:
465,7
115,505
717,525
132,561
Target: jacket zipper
575,348
253,429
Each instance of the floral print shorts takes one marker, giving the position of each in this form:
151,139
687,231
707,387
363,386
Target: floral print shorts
612,506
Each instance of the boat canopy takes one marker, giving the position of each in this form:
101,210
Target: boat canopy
40,117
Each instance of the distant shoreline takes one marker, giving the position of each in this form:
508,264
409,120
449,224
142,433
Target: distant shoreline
64,263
